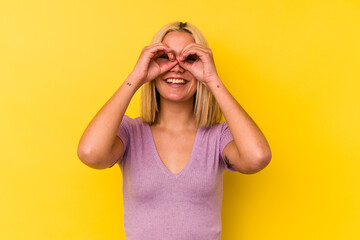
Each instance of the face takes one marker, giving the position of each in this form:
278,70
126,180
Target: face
177,84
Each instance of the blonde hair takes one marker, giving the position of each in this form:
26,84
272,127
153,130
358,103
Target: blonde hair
206,109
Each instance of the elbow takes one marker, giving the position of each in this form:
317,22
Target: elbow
264,161
258,163
89,158
85,156
265,158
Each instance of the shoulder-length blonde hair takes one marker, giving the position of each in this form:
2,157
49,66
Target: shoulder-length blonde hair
206,110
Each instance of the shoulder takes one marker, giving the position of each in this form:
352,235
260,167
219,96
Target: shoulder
131,129
129,126
220,132
134,127
132,122
217,129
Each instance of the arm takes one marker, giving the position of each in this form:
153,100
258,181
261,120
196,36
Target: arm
249,152
99,147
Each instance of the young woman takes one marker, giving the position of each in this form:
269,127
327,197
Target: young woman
173,157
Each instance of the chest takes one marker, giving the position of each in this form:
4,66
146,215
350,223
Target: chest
189,166
174,149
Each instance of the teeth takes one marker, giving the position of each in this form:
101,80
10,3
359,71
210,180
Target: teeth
173,80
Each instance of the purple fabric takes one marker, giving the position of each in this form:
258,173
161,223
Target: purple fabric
161,205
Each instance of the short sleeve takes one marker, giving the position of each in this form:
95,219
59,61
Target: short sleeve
123,132
225,139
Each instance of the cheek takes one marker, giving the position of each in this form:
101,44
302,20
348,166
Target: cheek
160,84
162,61
157,81
193,88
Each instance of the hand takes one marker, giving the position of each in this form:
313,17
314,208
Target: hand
147,68
199,61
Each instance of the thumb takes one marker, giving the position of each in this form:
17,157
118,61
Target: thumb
185,65
168,66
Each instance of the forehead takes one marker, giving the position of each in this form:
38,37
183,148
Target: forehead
177,40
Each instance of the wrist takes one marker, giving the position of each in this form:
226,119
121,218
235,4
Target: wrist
214,84
133,82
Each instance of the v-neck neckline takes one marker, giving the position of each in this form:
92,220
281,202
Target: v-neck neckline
161,163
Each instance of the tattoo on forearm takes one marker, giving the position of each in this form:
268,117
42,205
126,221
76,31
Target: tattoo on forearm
129,84
228,162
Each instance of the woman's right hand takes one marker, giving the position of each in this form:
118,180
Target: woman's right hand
148,67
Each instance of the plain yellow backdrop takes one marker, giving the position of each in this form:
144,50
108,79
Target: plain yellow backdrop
294,66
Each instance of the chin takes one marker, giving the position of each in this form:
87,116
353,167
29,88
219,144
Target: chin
177,98
175,94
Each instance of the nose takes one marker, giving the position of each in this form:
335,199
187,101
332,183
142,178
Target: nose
177,68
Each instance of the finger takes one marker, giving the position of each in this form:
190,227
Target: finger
154,49
170,55
190,45
164,49
202,55
151,55
196,46
160,46
167,66
157,54
167,48
187,66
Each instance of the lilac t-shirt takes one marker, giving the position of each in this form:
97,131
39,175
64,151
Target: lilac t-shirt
159,204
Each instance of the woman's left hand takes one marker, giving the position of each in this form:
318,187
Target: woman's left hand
199,61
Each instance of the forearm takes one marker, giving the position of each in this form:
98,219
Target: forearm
249,140
98,138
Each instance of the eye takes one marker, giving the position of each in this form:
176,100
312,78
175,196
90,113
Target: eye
165,56
192,58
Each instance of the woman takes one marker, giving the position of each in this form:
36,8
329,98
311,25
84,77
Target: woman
173,158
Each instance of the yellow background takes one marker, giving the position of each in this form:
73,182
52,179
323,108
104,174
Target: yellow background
294,66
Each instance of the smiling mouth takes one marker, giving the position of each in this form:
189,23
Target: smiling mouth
176,80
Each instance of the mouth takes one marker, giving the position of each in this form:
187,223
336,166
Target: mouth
176,81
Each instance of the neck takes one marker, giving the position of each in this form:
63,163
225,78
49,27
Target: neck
176,115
